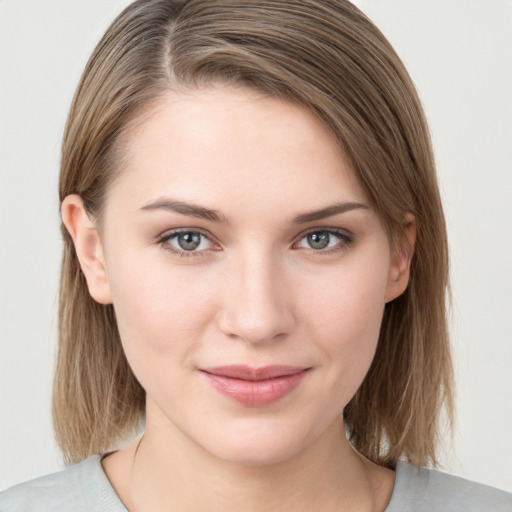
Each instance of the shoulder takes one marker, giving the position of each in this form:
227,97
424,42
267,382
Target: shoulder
79,488
428,490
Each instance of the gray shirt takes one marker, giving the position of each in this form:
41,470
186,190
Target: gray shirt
84,487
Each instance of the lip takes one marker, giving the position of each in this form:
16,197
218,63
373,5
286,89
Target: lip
255,387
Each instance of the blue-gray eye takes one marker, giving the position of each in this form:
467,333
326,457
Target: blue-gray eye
189,241
319,240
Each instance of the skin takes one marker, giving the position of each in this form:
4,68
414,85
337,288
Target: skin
255,292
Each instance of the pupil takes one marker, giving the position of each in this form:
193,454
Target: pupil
318,240
189,241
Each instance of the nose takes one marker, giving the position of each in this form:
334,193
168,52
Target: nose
257,307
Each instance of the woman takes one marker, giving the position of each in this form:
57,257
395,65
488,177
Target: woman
255,265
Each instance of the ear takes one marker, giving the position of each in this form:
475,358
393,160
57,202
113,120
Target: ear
400,266
88,247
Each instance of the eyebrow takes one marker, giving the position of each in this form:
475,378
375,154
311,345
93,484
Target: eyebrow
193,210
329,211
190,209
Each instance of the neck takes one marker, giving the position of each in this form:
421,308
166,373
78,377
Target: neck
327,475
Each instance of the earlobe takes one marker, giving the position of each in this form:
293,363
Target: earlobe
88,247
400,267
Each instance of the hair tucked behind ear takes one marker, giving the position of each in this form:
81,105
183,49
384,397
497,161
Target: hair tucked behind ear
97,400
326,55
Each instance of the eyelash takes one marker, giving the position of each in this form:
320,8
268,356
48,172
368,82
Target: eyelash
345,241
163,241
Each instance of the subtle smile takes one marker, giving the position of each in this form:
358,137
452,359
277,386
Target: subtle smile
255,387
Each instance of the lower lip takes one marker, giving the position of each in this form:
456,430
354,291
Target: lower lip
256,393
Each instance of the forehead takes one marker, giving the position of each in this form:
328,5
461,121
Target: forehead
227,146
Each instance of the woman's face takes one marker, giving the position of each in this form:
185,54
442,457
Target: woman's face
248,272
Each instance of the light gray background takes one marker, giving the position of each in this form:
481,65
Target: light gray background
459,52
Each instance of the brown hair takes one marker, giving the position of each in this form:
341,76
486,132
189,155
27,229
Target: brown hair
326,55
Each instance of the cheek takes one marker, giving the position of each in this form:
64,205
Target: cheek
345,322
348,302
161,313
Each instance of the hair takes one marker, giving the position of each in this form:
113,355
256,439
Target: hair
329,57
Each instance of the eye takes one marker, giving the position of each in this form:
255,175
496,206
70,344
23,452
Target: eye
324,240
183,242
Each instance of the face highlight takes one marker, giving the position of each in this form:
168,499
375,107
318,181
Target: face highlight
238,236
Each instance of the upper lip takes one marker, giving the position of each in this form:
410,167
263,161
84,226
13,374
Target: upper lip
254,374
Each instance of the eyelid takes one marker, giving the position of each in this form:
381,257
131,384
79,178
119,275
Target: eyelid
347,238
344,233
164,238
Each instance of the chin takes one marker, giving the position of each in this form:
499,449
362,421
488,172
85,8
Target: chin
258,455
259,445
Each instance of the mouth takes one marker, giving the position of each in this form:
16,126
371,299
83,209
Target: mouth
255,387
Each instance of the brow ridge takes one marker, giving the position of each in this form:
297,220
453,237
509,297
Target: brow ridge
329,211
190,209
193,210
